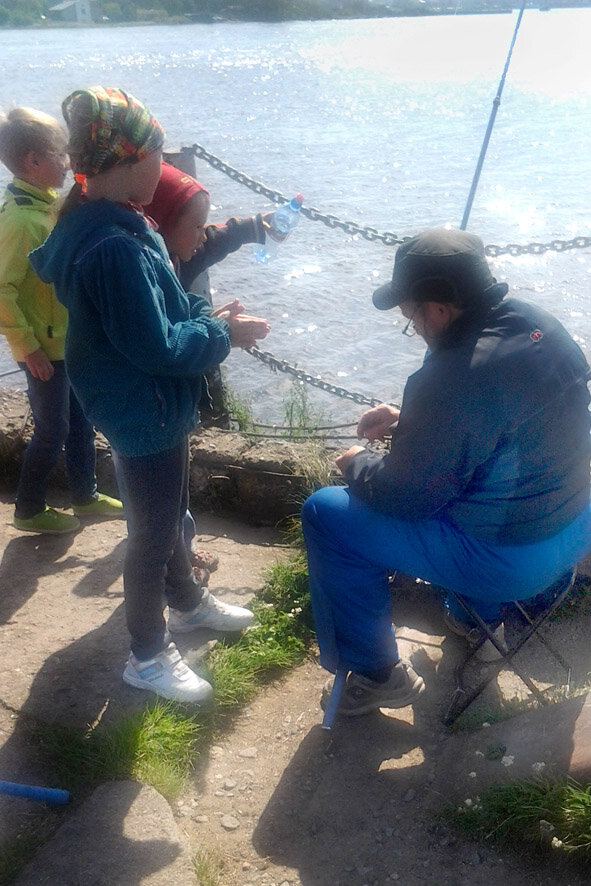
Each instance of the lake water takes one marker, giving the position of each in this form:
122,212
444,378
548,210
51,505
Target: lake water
379,122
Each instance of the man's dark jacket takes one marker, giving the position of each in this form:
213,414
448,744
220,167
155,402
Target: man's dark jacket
493,435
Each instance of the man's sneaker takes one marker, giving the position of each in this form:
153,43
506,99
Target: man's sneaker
101,506
361,695
473,635
49,521
210,613
167,675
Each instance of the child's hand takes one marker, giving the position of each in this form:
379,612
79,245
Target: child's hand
39,365
244,331
228,310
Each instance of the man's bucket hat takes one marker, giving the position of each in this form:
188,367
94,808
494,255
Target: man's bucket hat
447,254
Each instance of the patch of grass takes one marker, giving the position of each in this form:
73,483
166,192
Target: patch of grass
300,418
239,410
537,811
209,868
156,745
276,641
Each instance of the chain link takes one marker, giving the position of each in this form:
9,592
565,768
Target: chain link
314,380
387,237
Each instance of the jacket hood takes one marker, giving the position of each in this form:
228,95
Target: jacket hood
76,233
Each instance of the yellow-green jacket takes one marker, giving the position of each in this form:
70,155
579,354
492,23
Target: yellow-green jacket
30,315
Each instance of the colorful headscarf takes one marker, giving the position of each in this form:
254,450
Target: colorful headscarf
108,127
174,189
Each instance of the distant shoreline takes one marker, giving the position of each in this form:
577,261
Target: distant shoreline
196,20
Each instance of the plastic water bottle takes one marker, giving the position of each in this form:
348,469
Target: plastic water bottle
283,221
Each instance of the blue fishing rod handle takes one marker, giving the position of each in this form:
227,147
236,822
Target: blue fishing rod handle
31,792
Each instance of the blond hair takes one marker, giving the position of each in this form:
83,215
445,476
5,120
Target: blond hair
23,130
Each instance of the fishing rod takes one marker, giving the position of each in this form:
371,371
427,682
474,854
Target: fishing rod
491,123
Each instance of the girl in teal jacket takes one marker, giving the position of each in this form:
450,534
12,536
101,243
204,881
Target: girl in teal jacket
136,348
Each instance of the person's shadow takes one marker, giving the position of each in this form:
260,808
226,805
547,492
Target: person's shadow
25,561
341,811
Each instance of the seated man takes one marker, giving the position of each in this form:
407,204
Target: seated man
485,490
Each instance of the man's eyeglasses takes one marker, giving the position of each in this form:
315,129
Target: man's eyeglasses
409,330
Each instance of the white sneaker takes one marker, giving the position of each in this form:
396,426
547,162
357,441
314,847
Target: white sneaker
210,613
167,675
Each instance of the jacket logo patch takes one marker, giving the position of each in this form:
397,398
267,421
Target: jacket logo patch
536,335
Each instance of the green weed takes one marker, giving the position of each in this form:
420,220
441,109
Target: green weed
276,641
209,868
557,813
300,418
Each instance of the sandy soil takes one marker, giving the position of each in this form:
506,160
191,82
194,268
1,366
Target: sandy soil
277,800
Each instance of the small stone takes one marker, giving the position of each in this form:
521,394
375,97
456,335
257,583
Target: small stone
508,760
229,784
248,752
538,767
229,822
471,775
201,819
410,795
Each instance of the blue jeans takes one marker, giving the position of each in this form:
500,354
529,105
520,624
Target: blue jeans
157,571
352,548
59,421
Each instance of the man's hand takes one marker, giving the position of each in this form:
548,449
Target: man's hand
244,331
376,423
39,365
342,461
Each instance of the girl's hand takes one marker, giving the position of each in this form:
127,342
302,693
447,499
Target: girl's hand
39,365
376,422
244,331
228,310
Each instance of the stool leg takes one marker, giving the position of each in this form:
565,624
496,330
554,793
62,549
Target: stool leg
334,701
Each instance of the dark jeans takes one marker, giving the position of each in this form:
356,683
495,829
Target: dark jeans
157,571
59,421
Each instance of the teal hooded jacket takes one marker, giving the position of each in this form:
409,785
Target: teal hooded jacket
137,343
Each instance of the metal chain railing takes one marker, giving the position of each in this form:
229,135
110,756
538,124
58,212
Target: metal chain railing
369,233
314,380
331,221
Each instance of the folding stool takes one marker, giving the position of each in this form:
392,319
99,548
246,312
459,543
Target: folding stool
462,696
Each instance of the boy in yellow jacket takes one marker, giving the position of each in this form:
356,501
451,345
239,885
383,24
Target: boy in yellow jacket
33,147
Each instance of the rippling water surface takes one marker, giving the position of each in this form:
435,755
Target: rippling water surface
378,122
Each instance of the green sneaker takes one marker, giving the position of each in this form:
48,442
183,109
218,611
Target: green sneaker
48,521
101,506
